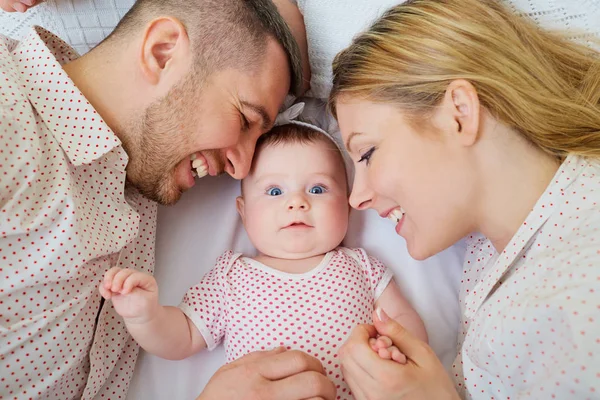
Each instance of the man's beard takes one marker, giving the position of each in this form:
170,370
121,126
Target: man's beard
161,141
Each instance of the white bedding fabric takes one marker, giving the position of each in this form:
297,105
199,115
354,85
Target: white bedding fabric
193,233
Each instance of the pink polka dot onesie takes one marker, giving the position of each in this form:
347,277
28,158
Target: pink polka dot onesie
249,306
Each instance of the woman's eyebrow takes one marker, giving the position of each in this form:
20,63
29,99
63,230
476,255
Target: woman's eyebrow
349,140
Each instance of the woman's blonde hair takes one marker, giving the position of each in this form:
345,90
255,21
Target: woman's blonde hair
535,81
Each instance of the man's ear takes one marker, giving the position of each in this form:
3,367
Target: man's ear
165,51
461,108
239,205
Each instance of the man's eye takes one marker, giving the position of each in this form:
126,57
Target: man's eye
367,156
317,189
245,122
274,191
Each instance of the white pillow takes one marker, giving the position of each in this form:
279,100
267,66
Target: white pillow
81,23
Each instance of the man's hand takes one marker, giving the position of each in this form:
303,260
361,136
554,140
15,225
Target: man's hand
16,5
271,375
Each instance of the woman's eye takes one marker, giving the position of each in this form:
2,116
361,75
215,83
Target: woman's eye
367,156
274,191
318,189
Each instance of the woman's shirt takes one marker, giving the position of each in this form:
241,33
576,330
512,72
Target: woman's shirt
531,314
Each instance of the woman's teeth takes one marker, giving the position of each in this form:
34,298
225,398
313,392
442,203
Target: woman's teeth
396,215
199,167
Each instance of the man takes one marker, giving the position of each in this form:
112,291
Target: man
177,80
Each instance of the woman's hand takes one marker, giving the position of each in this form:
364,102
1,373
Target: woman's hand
370,377
20,6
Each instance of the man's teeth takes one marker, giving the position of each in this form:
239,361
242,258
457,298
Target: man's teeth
199,165
396,215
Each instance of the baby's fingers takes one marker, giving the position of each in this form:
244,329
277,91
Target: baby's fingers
386,350
383,342
384,354
104,292
109,276
397,355
140,280
120,277
373,344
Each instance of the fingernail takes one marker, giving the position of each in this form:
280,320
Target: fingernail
383,317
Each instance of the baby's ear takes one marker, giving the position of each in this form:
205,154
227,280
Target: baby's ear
239,205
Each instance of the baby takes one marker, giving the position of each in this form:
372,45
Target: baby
300,291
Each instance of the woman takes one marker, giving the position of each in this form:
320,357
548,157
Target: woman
464,117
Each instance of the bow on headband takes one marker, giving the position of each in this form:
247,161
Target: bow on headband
290,115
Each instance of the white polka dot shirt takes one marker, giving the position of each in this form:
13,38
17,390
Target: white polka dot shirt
65,219
531,324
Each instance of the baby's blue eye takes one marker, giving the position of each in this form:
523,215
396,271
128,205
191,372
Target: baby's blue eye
274,191
317,189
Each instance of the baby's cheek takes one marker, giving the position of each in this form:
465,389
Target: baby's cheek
337,222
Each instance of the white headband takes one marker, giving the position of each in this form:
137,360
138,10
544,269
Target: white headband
315,111
291,115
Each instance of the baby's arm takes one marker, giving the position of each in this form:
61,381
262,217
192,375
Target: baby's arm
163,331
397,307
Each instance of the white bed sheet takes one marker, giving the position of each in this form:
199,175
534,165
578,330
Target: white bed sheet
192,234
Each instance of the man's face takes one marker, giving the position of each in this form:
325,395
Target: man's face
217,122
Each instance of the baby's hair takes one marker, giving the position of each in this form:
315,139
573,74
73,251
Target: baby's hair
293,134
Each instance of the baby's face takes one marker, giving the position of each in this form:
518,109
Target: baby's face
295,201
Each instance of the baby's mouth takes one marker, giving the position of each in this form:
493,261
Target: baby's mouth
298,224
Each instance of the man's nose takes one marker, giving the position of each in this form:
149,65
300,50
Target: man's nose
239,159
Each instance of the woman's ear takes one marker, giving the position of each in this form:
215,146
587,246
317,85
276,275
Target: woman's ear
239,205
461,106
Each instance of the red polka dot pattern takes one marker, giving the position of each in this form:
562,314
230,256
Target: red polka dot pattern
530,328
65,219
252,307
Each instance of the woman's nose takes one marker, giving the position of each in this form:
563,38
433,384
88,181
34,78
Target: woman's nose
361,196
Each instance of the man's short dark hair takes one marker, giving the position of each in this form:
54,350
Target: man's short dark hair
223,33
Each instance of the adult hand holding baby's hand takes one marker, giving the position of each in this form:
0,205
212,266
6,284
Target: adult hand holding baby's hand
20,6
134,294
384,346
421,377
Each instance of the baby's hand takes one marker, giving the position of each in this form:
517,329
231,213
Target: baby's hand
134,294
385,348
20,6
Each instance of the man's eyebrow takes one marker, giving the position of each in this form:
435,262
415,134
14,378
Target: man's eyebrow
260,110
350,139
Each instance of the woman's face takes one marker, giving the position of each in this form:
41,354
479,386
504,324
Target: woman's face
418,177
